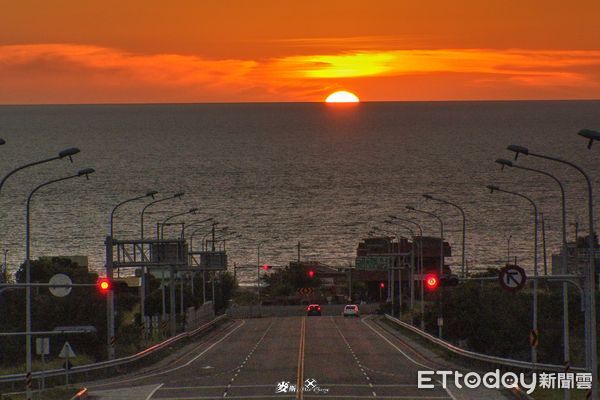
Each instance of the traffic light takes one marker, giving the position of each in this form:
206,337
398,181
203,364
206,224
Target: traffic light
431,282
449,280
104,285
381,285
266,267
311,273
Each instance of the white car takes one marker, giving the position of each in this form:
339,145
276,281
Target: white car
351,310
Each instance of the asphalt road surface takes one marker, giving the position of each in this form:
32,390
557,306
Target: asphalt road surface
329,357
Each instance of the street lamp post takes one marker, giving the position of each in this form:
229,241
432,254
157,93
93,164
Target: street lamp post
590,273
177,195
464,227
410,277
172,307
84,172
110,298
565,289
422,291
114,210
391,274
162,225
192,224
440,318
535,261
65,153
590,135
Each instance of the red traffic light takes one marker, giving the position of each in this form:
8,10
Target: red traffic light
382,284
266,267
104,285
431,281
311,273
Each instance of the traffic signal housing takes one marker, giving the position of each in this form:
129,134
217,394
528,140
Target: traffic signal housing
433,281
449,280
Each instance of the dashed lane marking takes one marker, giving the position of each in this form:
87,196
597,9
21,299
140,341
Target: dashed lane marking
166,371
248,356
354,355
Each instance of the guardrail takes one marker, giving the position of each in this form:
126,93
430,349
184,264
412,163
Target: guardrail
478,356
111,363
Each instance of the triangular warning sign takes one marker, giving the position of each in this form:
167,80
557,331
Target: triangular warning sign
67,351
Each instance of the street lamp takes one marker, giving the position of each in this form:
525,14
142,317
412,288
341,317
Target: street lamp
178,195
84,172
112,213
162,225
590,135
110,298
464,226
411,208
590,278
440,318
195,223
508,163
422,289
65,153
535,259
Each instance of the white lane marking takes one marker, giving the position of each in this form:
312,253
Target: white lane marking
350,348
175,368
154,391
239,367
407,356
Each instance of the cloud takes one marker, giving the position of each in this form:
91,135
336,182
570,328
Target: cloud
45,73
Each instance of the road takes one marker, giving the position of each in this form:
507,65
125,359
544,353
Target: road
332,357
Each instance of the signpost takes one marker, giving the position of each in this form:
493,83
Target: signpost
305,291
66,353
512,278
60,279
42,348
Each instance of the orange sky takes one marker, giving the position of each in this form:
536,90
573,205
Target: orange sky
265,50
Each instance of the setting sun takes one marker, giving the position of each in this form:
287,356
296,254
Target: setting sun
342,96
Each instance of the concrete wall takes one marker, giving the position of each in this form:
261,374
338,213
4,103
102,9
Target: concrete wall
288,311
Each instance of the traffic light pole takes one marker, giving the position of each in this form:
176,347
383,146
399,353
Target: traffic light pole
110,302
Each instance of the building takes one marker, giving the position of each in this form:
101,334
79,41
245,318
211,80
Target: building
577,257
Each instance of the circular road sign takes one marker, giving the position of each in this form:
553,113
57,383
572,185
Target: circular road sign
512,278
60,279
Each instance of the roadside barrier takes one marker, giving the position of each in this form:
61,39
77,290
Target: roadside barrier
478,356
112,363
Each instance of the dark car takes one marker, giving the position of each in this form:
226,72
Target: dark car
313,309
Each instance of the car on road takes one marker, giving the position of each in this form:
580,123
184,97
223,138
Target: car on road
313,309
351,310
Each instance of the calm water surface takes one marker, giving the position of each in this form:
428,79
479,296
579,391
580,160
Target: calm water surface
285,173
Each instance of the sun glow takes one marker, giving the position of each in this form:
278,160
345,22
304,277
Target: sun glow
342,96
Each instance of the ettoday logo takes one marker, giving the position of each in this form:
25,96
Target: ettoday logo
508,380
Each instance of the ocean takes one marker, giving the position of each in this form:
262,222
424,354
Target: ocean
313,173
